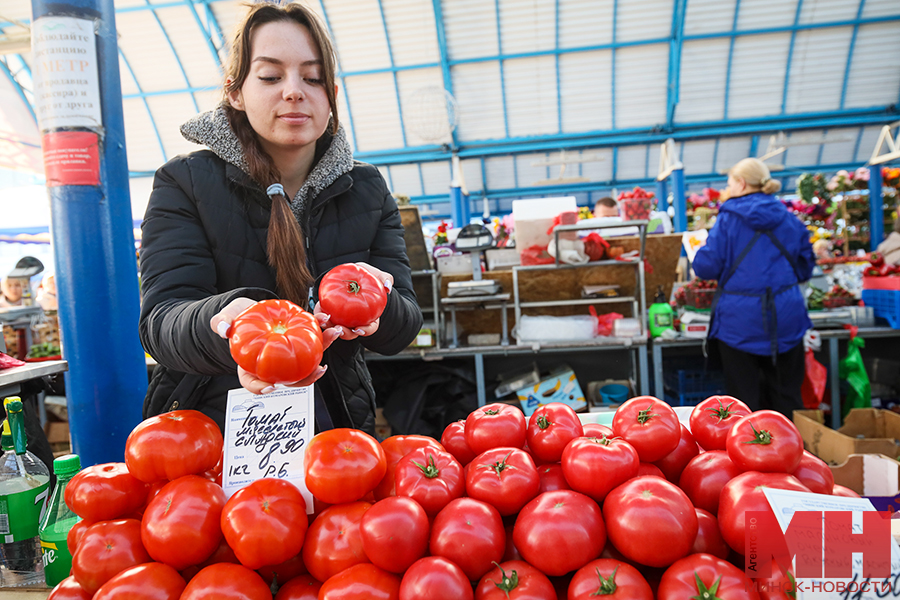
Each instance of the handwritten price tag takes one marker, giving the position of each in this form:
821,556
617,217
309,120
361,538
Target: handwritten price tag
266,436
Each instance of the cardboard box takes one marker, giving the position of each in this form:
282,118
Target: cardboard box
865,431
561,386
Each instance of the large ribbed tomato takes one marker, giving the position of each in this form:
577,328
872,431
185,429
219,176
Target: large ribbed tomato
276,341
173,444
352,296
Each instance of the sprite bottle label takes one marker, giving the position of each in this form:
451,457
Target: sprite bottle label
21,512
57,558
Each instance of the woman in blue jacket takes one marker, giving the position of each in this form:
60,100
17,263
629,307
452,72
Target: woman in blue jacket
759,253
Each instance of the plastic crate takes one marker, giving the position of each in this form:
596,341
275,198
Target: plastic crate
686,387
891,282
885,303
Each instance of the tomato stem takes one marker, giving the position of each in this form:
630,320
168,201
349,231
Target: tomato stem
704,592
353,286
608,585
508,582
722,411
429,470
543,422
644,415
763,437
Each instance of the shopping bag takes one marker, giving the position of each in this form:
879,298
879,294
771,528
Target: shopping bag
813,382
853,371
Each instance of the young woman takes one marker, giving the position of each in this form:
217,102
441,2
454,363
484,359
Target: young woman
759,253
276,201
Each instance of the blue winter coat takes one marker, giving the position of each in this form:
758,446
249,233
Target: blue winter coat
761,303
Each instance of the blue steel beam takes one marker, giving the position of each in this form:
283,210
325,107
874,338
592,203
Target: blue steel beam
174,53
19,90
790,56
387,39
556,60
859,12
679,7
189,90
794,28
162,148
207,33
734,22
612,72
340,75
444,57
500,64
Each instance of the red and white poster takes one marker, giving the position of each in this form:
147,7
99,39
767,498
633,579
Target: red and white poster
71,158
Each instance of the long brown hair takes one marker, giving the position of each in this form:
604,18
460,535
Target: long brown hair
285,244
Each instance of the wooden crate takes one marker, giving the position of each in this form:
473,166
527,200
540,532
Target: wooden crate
419,258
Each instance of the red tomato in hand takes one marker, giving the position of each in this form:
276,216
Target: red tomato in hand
352,296
562,520
743,493
494,426
173,444
709,537
435,578
648,424
704,477
594,466
431,478
301,587
107,549
135,583
334,540
394,533
705,576
265,522
711,420
343,465
226,581
650,508
361,582
815,474
469,533
765,441
454,441
514,580
181,524
276,341
675,461
395,448
105,492
550,428
609,579
505,478
68,589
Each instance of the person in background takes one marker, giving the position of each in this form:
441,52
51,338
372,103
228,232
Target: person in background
46,295
759,253
890,247
11,292
606,207
276,201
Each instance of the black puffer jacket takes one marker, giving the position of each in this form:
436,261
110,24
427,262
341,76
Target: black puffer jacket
204,244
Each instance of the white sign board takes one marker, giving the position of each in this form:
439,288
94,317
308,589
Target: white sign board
785,503
266,436
65,73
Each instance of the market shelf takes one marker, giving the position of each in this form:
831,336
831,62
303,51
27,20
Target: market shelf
581,302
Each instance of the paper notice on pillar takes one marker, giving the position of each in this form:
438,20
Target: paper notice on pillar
65,74
266,436
71,158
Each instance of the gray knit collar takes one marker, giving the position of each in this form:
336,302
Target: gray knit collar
212,129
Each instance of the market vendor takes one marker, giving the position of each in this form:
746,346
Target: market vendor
890,247
606,207
275,201
11,292
759,253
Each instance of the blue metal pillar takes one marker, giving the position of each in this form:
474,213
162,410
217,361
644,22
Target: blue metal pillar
679,222
96,270
876,210
460,211
662,195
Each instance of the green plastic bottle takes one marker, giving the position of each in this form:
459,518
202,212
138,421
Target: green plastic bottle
24,483
58,521
660,314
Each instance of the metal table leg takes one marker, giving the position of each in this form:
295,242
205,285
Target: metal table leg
455,342
834,367
658,387
643,371
504,339
479,379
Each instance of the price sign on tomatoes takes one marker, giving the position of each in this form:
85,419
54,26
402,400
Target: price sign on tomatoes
266,436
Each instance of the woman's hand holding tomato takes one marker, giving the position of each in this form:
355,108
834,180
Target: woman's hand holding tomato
353,296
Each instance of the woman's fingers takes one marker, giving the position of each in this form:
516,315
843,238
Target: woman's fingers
221,321
384,277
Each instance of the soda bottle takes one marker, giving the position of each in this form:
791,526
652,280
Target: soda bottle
24,486
58,521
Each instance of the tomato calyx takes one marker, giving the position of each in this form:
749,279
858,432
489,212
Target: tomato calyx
722,412
353,286
705,593
792,593
491,411
429,470
499,466
508,582
543,422
645,415
607,585
760,437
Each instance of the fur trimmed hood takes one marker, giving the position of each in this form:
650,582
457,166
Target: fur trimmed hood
213,130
